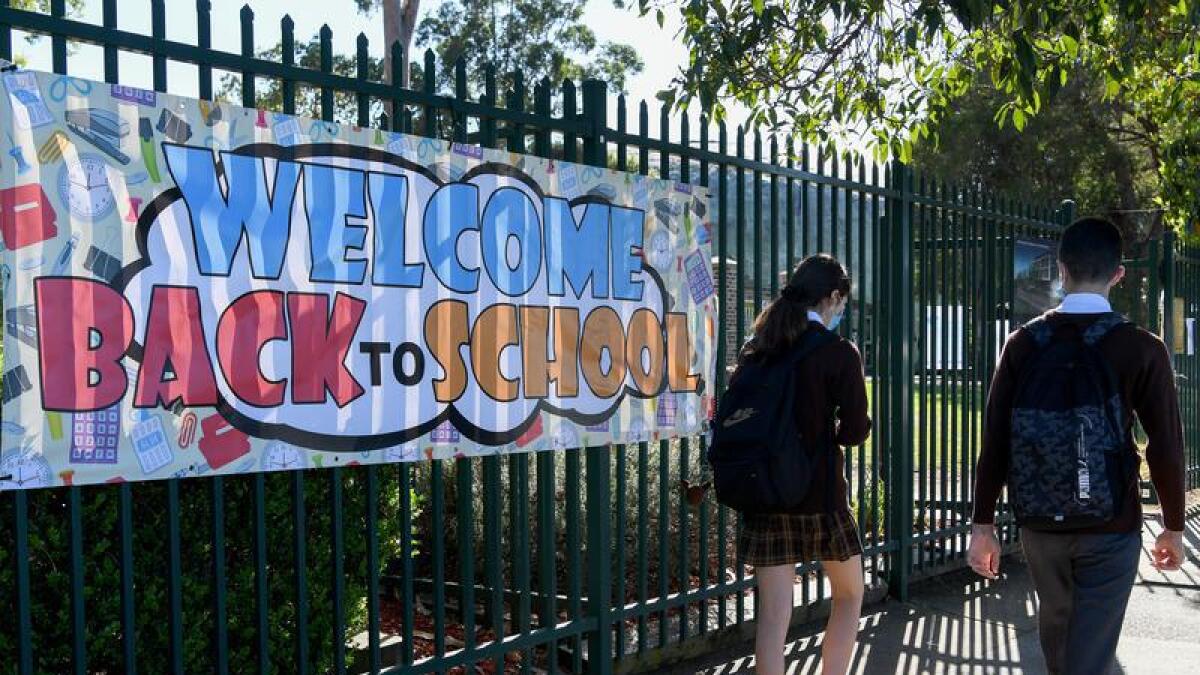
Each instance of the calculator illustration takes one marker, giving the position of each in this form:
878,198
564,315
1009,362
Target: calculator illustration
94,436
23,90
150,445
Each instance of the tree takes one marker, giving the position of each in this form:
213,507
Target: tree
308,99
73,9
1070,148
543,39
889,70
399,21
540,38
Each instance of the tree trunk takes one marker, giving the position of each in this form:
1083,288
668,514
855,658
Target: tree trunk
399,24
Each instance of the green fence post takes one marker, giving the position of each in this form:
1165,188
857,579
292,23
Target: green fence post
1168,288
898,377
599,475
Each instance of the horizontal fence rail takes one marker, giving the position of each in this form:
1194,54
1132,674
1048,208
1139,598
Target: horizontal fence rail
582,560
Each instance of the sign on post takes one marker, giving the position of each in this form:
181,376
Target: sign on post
192,287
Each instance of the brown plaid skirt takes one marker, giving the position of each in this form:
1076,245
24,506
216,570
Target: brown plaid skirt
792,538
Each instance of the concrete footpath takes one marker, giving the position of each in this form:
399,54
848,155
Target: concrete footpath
959,623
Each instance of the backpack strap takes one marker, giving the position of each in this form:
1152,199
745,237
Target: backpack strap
1102,327
1040,330
809,343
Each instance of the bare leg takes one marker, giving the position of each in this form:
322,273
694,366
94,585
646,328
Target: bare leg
774,613
841,632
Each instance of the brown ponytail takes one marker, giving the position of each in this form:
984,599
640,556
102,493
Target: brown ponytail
785,319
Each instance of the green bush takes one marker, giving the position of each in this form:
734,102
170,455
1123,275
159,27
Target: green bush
50,571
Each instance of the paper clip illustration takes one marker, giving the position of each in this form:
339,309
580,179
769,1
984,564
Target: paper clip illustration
60,88
54,147
187,430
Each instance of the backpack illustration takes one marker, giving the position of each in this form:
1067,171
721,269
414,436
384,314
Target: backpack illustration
760,461
1069,433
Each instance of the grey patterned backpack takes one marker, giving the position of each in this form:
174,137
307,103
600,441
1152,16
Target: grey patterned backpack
1069,432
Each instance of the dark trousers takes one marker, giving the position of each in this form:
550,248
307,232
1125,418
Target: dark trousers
1083,583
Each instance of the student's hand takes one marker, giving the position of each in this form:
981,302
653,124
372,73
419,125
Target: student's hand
1168,551
983,555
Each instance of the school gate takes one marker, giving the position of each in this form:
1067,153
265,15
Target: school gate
594,559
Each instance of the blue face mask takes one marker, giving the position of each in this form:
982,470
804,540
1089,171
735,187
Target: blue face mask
837,319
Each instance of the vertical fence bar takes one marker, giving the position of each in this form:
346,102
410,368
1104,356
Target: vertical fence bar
217,486
790,206
262,597
78,625
599,472
546,475
174,578
338,608
407,652
158,23
722,234
21,553
374,658
740,320
757,235
437,507
685,176
6,36
899,369
804,202
703,536
926,382
574,456
491,464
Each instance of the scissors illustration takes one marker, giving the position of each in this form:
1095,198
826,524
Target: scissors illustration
590,173
428,148
59,88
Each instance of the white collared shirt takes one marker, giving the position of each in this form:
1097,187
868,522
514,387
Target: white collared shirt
1085,303
813,316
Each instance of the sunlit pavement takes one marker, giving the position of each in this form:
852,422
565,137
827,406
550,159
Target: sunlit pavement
959,623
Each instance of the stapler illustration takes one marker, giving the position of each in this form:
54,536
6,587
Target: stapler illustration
102,128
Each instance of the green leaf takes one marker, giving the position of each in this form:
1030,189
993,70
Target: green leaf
1018,117
758,6
662,18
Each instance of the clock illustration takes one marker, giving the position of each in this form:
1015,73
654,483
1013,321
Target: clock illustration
24,469
280,456
660,250
84,188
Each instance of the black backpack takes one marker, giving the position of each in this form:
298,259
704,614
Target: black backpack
760,461
1069,434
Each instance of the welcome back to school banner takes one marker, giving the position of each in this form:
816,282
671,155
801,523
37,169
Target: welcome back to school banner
196,288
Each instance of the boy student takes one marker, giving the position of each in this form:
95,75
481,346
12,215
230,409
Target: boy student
1058,432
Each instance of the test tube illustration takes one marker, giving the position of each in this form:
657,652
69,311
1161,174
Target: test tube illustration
54,421
63,261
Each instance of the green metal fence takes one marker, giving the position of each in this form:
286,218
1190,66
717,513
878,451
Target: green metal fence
591,559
